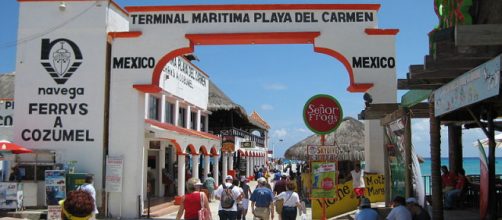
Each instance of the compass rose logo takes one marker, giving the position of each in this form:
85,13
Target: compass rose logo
60,58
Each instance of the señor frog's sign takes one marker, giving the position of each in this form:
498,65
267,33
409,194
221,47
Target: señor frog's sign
322,114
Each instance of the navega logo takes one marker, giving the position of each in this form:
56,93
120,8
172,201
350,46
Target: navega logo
60,58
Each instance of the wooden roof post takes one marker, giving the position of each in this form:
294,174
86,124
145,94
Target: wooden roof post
435,133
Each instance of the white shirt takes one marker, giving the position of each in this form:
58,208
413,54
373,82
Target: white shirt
236,192
399,213
90,189
289,202
357,179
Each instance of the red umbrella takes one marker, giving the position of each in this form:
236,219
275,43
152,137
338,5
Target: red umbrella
7,146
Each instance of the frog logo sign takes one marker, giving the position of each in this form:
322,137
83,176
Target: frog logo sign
60,58
322,114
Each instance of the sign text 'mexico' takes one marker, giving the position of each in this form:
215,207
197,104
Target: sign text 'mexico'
254,17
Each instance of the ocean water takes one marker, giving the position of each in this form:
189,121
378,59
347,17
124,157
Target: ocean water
471,165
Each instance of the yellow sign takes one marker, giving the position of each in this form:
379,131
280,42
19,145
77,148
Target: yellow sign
345,200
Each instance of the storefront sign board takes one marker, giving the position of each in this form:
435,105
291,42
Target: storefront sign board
114,173
474,86
323,179
322,114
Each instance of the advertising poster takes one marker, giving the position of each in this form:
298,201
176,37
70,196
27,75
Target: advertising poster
55,186
114,170
54,212
323,179
8,195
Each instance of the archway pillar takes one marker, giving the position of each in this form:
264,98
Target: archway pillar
206,166
195,166
224,161
181,174
216,169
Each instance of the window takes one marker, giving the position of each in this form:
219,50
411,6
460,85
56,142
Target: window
203,123
153,107
32,166
182,117
193,120
169,113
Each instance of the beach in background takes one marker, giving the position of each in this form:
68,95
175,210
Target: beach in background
471,165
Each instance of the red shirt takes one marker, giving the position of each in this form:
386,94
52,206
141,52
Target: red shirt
449,179
460,183
192,205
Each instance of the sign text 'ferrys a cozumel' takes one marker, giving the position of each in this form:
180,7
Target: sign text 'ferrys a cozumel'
61,59
322,114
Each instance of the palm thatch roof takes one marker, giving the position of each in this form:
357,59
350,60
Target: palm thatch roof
348,139
219,101
7,86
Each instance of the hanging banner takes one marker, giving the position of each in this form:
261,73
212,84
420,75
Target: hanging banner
55,186
323,179
114,171
322,114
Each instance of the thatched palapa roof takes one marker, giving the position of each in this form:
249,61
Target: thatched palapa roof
348,138
7,86
219,101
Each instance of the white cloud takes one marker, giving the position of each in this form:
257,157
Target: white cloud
303,130
280,133
267,107
275,86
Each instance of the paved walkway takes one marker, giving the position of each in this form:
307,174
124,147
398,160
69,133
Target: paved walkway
215,204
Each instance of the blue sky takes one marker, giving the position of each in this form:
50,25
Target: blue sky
277,80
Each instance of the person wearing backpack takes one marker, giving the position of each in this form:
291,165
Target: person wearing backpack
229,197
262,198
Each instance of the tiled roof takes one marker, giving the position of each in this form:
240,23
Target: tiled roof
257,118
183,131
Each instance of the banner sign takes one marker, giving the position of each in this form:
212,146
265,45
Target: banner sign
322,114
344,199
474,86
55,186
323,179
114,172
6,111
322,152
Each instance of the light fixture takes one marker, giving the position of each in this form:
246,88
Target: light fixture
62,6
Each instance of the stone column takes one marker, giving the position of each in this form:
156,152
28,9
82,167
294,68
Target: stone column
195,166
181,175
188,117
224,160
248,167
163,109
216,169
176,112
231,161
206,166
197,121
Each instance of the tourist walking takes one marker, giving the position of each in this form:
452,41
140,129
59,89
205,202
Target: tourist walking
88,187
291,202
210,185
365,211
228,196
399,212
279,187
358,181
417,212
261,201
245,199
193,201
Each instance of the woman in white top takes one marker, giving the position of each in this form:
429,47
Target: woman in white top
291,202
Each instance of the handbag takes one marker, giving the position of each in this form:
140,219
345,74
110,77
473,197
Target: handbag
204,213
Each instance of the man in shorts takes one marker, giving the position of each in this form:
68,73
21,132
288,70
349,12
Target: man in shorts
262,205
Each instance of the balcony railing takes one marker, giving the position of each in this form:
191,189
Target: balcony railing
260,142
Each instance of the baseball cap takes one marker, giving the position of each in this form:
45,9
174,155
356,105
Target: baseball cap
365,202
262,180
411,200
229,177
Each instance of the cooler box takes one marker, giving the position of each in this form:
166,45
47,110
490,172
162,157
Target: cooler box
74,180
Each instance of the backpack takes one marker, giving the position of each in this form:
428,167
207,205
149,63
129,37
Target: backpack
227,200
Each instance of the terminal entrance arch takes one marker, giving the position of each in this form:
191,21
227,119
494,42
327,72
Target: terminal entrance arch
347,32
